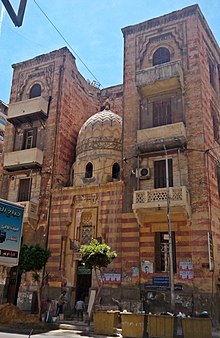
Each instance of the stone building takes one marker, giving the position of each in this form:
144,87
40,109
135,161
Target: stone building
171,116
3,117
140,170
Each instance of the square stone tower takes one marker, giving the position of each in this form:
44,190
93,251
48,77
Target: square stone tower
171,149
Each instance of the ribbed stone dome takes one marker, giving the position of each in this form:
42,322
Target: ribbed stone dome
99,131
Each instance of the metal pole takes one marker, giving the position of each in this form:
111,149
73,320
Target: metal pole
172,297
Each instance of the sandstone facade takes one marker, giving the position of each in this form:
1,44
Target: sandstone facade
156,189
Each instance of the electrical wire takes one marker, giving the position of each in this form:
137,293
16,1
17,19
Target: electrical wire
68,44
125,160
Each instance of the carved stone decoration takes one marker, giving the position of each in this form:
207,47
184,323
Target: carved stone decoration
85,199
49,71
173,36
43,74
96,143
164,20
86,229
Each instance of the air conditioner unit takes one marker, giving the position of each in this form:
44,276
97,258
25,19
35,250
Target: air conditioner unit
143,173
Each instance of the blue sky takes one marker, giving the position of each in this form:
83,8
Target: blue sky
91,27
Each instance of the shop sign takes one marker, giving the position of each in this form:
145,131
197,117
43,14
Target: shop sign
82,270
11,222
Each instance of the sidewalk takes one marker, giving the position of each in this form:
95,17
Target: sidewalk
76,325
215,333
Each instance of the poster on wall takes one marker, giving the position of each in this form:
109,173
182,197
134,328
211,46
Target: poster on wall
11,221
135,271
111,278
186,270
147,267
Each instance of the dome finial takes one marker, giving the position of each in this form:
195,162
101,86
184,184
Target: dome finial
107,104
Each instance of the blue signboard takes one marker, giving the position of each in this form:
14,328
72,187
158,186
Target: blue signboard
11,221
152,287
161,281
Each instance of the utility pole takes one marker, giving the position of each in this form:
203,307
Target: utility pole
172,296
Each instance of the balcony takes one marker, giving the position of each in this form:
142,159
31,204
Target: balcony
148,202
167,76
153,139
23,159
30,210
28,110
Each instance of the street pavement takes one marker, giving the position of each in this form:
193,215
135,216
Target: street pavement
81,329
67,329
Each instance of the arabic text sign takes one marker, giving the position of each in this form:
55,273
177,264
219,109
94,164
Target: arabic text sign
11,220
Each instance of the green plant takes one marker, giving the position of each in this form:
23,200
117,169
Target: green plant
96,255
33,259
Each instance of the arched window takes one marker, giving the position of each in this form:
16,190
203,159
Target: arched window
162,55
89,170
35,91
116,171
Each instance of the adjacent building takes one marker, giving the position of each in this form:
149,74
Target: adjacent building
3,118
135,165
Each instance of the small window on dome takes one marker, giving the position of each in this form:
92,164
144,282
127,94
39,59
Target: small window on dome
35,91
116,171
89,170
162,55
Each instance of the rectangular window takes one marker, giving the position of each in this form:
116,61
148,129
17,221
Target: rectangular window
212,73
219,77
30,137
162,252
218,179
87,230
162,113
215,126
160,173
24,191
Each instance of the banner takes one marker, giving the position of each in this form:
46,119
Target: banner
11,221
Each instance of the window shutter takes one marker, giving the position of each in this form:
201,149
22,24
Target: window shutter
24,192
162,113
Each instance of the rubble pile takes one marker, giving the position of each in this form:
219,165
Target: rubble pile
10,313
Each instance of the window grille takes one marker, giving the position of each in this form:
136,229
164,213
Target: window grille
162,55
162,259
35,91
